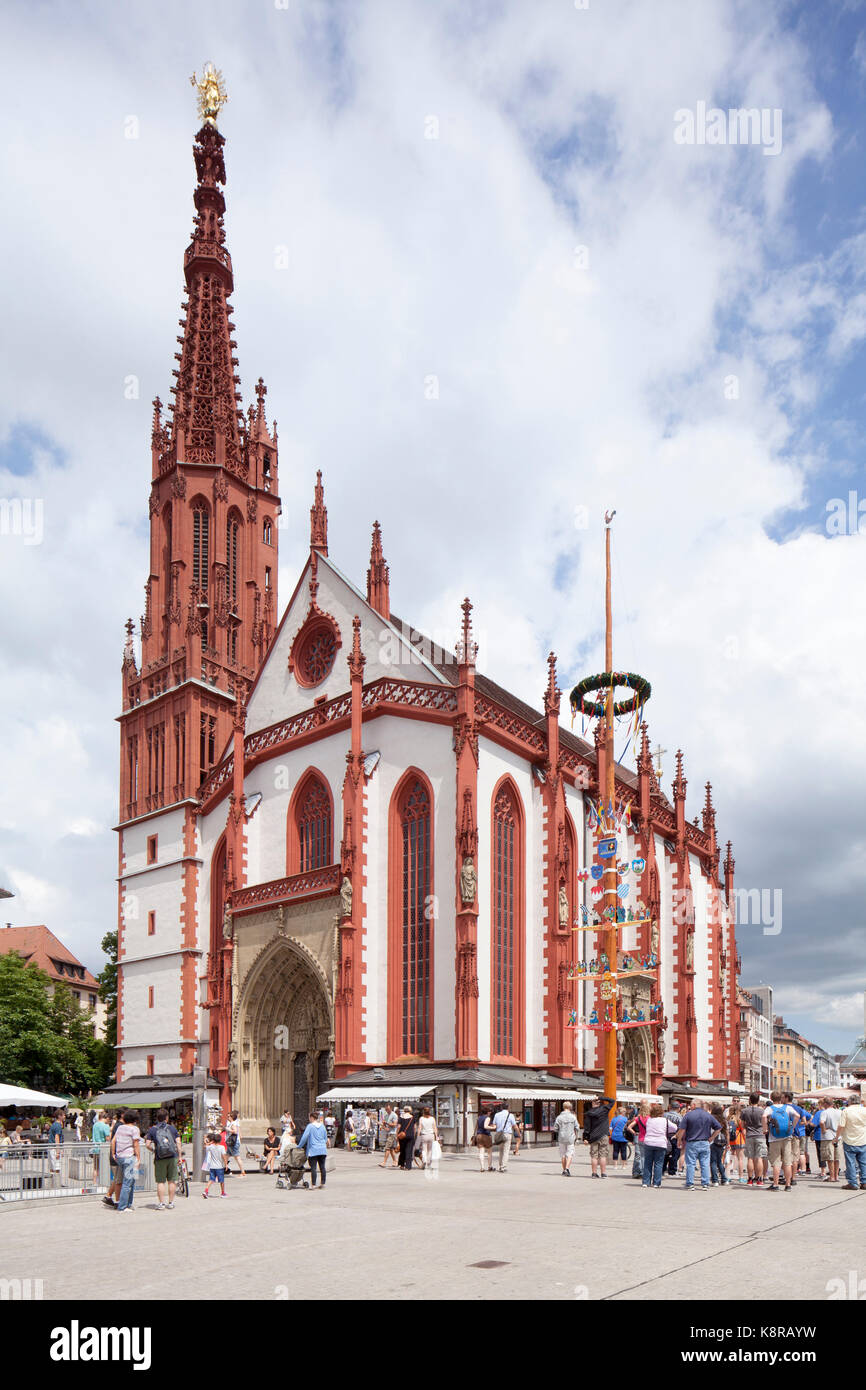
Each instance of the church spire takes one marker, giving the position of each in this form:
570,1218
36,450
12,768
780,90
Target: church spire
207,421
378,590
319,519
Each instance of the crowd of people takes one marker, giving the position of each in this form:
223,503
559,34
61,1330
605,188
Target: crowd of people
758,1144
706,1144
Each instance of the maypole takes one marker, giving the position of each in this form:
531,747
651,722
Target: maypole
595,697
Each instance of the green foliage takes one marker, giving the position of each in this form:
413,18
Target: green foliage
107,980
46,1040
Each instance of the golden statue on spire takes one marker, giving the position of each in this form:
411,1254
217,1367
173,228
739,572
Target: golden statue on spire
211,93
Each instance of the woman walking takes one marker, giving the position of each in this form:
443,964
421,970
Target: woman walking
655,1146
406,1138
126,1149
483,1140
637,1129
737,1145
718,1149
233,1143
315,1143
427,1134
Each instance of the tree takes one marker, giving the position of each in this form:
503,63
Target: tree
107,980
46,1040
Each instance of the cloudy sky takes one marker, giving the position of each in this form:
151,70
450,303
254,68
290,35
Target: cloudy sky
492,293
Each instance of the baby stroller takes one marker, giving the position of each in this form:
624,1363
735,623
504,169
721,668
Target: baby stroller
292,1166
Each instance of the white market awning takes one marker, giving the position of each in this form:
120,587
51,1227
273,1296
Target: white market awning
539,1093
19,1095
376,1093
638,1095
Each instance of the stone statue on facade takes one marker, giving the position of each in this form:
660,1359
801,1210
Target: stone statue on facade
346,897
563,906
233,1065
654,939
690,950
228,928
468,881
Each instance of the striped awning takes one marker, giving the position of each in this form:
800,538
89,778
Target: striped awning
374,1094
536,1093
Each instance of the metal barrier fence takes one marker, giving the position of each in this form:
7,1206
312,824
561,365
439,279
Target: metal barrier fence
31,1171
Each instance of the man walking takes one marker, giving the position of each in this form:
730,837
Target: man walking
672,1119
852,1131
829,1144
164,1140
696,1130
779,1121
503,1126
388,1126
566,1133
756,1142
595,1134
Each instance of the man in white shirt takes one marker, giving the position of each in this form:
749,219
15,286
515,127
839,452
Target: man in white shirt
852,1132
829,1137
565,1125
503,1125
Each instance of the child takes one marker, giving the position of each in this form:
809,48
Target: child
215,1159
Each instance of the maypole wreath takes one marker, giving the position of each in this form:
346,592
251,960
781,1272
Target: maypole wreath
610,680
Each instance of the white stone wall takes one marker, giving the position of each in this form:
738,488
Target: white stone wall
278,696
151,959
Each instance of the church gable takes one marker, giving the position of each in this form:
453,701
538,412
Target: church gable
308,660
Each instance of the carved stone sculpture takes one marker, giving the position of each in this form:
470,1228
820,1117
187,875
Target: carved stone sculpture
468,881
346,897
654,939
228,927
690,950
563,907
233,1065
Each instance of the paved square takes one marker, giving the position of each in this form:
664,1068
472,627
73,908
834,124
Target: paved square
375,1234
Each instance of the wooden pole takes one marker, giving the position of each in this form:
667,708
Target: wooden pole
610,897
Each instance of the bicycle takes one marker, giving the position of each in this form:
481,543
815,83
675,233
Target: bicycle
182,1186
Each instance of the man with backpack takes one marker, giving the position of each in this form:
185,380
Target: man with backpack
780,1120
164,1140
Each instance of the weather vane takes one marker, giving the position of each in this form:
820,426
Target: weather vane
211,93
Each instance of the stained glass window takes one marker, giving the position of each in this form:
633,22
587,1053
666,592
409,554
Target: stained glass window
415,919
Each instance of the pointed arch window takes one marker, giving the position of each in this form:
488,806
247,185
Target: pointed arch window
267,531
200,546
233,532
507,924
411,920
313,826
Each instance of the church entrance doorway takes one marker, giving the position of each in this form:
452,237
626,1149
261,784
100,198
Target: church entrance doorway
283,1037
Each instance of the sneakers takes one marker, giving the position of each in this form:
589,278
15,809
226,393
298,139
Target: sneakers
160,1206
109,1202
749,1182
171,1206
596,1175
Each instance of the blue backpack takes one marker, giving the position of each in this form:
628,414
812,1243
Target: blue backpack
780,1122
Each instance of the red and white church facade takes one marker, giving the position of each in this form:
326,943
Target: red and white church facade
342,849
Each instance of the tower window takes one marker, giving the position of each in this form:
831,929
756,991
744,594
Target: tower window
207,740
200,547
232,537
152,842
151,924
266,531
267,576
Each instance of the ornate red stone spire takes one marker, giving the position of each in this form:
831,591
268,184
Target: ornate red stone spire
709,822
467,649
378,579
319,519
729,873
552,694
208,424
679,787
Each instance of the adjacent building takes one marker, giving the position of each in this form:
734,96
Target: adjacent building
39,946
756,1037
792,1061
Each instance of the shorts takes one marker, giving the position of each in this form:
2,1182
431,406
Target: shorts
390,1142
756,1147
828,1150
566,1150
798,1146
217,1174
620,1148
781,1151
599,1148
165,1169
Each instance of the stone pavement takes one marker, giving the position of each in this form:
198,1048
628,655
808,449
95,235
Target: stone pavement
374,1234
